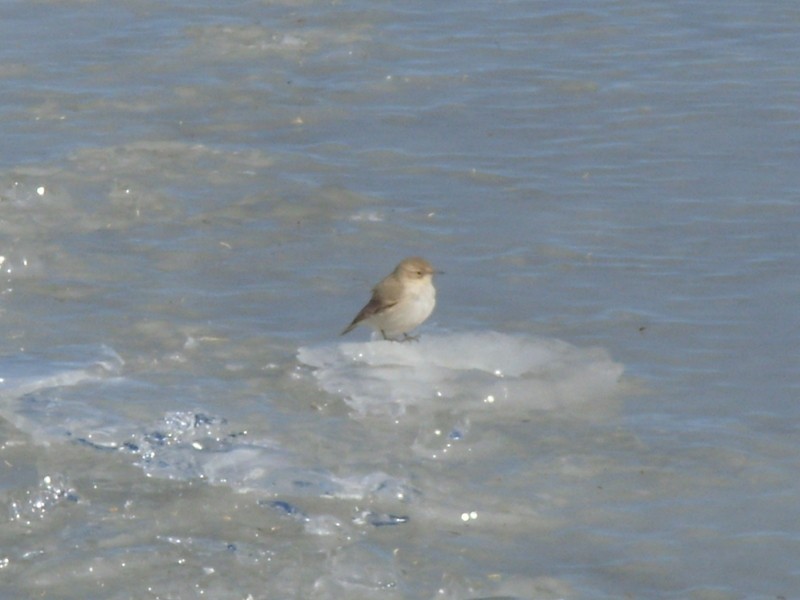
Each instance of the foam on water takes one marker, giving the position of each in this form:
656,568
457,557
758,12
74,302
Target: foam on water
478,371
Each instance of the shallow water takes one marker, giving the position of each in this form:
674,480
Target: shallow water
194,200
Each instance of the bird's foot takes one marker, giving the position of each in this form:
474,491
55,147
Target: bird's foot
405,338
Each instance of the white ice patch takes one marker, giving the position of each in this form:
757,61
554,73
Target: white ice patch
80,400
30,389
476,371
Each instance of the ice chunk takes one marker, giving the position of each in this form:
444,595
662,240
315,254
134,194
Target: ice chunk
478,371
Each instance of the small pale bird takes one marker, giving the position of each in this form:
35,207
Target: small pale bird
401,301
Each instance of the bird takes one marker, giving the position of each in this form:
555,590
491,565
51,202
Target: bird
401,301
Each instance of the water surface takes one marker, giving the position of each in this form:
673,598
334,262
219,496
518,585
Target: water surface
194,200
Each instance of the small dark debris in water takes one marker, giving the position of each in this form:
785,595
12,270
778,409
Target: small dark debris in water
85,442
386,520
289,509
231,548
642,329
96,446
157,438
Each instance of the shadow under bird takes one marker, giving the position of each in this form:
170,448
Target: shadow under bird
401,301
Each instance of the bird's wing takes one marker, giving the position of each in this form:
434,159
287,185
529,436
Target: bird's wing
388,288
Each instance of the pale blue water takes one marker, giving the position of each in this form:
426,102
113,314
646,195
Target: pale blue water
195,199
